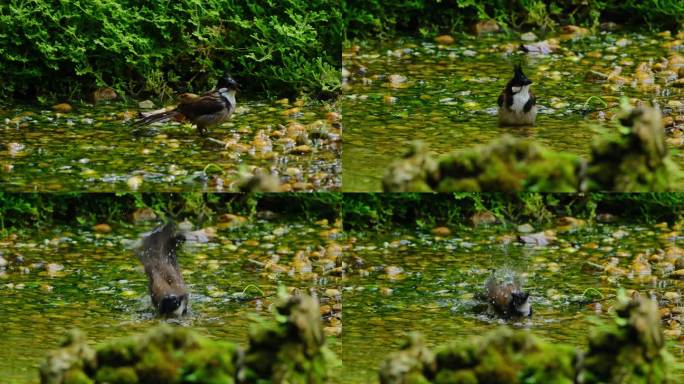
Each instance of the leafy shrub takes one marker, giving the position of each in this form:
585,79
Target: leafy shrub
364,18
71,47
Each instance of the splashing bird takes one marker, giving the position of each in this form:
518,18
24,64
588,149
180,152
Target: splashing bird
157,252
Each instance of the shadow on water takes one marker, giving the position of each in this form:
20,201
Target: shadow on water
408,89
93,149
413,281
62,278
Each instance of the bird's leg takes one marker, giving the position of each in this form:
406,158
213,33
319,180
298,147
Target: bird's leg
203,131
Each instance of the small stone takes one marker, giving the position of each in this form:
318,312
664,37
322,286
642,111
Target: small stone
103,94
525,228
623,42
539,238
302,149
483,218
333,117
486,26
51,268
144,214
573,32
393,271
3,262
469,53
444,39
528,36
541,47
102,228
134,182
396,79
62,108
146,104
441,231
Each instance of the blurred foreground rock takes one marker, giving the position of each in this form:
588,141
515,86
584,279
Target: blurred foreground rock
627,350
290,349
634,159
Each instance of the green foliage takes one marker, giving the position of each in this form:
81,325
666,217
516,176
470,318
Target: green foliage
86,209
71,47
365,18
362,211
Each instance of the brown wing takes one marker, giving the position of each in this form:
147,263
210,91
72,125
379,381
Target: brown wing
203,105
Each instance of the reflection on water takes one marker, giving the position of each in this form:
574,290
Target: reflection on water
404,90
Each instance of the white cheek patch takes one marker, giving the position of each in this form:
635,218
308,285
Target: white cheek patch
516,89
524,309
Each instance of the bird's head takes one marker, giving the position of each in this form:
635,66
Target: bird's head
228,82
519,79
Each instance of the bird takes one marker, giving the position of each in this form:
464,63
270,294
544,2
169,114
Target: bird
517,104
205,111
504,293
157,253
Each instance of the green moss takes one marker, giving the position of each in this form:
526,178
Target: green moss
461,376
507,164
368,18
77,376
71,48
291,350
120,375
630,349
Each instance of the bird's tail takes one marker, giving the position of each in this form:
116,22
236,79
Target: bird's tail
159,246
162,116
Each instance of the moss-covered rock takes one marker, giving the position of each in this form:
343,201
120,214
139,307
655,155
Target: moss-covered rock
412,172
505,356
629,350
507,164
163,354
67,364
410,364
635,158
291,350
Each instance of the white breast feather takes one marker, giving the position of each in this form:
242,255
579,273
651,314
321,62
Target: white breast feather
520,99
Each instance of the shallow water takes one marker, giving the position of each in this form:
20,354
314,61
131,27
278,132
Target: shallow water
410,89
94,149
437,291
102,288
